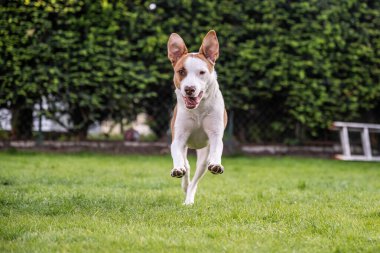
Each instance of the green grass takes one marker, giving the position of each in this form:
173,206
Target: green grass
104,203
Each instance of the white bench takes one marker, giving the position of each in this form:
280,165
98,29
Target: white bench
344,128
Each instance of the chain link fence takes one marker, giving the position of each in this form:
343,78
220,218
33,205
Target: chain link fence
264,126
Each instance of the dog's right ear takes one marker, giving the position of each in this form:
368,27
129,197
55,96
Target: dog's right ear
176,48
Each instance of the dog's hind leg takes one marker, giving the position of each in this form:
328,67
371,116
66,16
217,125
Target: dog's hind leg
202,155
186,178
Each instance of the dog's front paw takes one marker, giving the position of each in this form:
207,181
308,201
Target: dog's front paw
216,168
178,172
188,203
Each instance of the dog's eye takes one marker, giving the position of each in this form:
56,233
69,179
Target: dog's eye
182,72
202,72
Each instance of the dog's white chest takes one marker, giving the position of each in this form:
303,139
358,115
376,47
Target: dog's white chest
198,138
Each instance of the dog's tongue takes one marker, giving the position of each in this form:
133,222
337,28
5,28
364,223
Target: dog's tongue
192,102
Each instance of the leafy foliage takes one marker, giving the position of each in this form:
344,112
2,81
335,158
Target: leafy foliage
287,65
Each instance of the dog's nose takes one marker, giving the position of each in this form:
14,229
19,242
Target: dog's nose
189,90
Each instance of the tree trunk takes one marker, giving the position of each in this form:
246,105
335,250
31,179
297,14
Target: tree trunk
22,121
80,124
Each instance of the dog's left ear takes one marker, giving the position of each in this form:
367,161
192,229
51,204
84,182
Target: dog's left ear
210,47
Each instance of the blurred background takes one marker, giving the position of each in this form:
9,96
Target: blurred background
98,70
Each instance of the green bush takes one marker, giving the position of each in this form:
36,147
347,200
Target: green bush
285,67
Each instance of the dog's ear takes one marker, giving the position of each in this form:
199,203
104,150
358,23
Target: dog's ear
176,48
210,47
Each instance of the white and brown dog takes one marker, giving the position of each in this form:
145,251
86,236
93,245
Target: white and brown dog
199,118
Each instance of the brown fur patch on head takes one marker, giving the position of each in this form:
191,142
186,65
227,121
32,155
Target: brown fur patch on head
180,71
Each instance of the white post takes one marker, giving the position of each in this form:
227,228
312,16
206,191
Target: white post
366,143
345,142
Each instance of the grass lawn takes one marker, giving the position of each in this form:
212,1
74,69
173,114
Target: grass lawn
105,203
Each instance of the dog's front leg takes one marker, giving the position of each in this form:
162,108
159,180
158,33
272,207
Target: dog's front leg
216,150
178,151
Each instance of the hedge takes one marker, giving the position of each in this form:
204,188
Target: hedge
284,65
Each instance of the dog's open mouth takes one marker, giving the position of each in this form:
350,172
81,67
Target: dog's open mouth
192,102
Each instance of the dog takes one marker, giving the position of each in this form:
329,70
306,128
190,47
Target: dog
199,117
